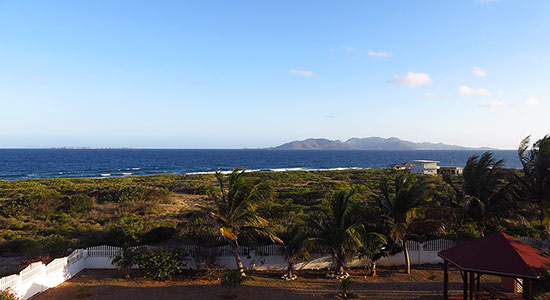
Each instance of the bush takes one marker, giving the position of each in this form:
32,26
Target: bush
80,203
161,264
125,260
8,294
158,235
231,280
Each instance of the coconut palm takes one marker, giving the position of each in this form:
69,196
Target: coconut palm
483,195
337,231
235,209
403,205
535,183
294,249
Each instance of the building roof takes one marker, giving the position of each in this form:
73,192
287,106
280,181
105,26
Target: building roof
425,161
498,254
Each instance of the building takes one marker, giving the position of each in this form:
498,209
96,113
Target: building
399,167
450,171
428,167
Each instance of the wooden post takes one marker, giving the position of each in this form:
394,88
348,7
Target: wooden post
472,285
446,280
465,287
527,289
478,288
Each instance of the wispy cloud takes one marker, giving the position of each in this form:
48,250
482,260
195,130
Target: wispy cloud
34,77
430,96
303,73
412,79
532,102
479,72
493,105
465,92
378,54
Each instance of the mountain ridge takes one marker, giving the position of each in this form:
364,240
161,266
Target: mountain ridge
369,143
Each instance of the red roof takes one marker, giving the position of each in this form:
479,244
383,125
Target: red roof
498,254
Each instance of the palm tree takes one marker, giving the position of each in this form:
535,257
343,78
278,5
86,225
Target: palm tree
235,210
483,194
535,182
403,206
125,260
337,232
294,249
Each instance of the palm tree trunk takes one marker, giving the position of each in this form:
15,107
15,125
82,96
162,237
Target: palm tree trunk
339,264
235,247
290,270
374,269
407,258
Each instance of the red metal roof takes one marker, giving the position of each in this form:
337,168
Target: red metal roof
498,254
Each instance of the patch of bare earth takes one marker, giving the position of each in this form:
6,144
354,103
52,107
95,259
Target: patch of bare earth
425,282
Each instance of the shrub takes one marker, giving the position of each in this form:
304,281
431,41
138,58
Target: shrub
125,260
231,280
161,264
344,285
131,224
80,203
13,208
8,294
543,296
158,235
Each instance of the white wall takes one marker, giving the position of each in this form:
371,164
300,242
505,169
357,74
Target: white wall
38,277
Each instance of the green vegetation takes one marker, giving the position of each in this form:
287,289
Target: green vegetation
403,204
230,280
161,264
125,260
235,210
344,287
345,213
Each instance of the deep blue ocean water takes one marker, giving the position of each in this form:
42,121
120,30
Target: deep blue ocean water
18,164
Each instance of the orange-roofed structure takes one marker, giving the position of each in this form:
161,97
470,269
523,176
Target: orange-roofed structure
495,254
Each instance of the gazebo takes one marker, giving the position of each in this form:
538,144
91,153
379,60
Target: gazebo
496,254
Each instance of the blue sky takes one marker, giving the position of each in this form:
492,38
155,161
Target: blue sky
231,74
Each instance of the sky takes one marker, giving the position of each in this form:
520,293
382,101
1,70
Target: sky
235,74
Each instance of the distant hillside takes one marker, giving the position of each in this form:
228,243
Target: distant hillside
316,144
369,143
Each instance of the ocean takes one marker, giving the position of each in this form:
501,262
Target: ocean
17,164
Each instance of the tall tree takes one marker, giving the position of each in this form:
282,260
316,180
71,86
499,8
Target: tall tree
235,209
482,193
535,182
294,248
403,203
338,232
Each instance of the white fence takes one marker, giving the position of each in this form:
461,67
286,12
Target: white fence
38,277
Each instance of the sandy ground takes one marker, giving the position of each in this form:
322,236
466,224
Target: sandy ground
424,283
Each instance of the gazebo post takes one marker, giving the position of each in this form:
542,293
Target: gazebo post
446,280
465,282
472,285
527,288
478,287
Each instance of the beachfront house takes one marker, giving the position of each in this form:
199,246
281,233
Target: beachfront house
450,171
428,167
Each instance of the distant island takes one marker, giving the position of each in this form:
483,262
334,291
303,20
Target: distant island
369,143
79,148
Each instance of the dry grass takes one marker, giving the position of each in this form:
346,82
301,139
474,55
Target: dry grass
425,282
